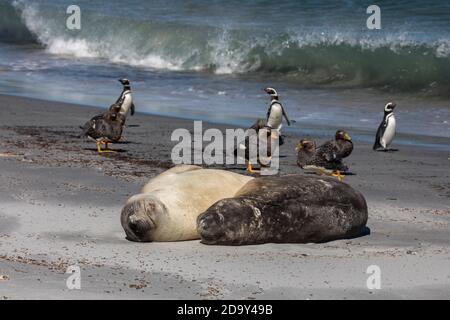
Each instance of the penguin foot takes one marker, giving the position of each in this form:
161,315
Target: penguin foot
338,175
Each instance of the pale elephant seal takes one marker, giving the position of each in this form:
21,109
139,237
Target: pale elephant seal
285,209
169,204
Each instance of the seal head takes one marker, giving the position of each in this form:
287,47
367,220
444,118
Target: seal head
141,216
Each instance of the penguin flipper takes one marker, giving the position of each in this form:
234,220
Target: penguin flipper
380,133
376,145
132,108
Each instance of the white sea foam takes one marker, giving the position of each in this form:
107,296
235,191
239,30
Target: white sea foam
224,53
443,48
225,49
150,61
75,47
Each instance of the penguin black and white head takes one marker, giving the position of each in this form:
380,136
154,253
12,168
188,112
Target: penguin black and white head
390,106
125,82
273,93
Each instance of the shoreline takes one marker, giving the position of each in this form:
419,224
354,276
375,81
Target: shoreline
61,201
301,129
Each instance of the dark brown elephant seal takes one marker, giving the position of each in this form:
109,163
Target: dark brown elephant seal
285,209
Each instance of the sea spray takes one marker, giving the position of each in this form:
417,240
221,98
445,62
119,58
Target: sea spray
336,54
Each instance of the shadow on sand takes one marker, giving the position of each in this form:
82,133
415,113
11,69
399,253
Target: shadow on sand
388,150
114,151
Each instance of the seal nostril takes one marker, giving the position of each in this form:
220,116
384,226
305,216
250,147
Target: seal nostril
139,227
210,229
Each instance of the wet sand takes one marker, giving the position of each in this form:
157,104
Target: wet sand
60,205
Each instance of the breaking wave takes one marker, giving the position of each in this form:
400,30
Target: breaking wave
308,57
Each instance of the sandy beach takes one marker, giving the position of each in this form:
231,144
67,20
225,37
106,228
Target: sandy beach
60,205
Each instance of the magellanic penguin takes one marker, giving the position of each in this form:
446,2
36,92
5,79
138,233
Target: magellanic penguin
125,101
105,128
326,159
276,112
386,130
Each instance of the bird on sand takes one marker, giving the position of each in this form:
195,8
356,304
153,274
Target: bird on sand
258,136
267,131
105,128
276,111
306,149
326,159
275,114
386,129
125,100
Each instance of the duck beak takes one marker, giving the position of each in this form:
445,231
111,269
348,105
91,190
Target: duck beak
347,137
298,147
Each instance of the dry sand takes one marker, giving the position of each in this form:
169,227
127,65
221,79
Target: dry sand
60,205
